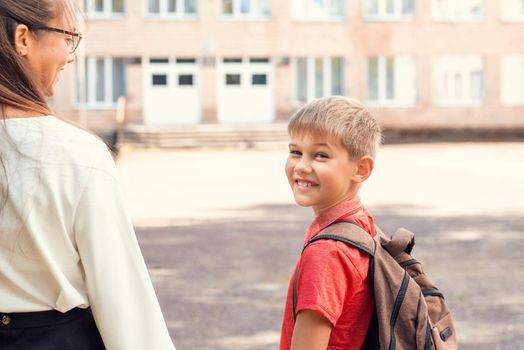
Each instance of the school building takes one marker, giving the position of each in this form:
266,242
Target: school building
415,63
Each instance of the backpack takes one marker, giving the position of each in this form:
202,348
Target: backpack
410,312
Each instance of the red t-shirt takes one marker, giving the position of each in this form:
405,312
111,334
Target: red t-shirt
333,281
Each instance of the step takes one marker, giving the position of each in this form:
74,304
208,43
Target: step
206,136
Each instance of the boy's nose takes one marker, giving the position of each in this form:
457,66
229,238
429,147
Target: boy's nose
303,166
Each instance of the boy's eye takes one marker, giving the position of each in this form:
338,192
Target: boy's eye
295,152
321,155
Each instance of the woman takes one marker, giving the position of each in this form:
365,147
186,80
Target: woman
71,272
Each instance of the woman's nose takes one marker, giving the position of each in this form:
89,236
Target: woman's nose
71,58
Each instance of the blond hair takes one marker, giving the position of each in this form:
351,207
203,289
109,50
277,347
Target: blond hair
343,118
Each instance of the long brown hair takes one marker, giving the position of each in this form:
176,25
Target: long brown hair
19,88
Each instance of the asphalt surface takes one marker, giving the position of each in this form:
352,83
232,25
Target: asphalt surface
220,233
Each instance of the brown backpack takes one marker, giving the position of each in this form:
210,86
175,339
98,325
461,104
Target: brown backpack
410,312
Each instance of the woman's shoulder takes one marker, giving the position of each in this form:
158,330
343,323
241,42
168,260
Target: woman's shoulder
77,144
53,139
49,128
74,133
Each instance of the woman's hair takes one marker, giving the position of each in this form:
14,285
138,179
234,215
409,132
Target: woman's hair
340,117
18,87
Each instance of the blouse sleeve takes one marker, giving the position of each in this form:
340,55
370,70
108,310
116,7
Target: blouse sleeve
119,288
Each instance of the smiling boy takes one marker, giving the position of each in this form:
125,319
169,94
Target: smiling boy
331,153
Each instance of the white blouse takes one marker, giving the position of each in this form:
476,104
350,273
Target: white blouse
66,240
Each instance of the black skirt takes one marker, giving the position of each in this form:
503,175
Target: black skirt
50,330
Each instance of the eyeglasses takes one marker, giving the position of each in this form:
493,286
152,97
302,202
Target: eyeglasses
73,41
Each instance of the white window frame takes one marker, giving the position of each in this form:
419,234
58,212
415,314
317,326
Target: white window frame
452,80
383,15
512,80
404,79
451,11
165,14
106,13
311,85
89,98
303,10
512,10
254,14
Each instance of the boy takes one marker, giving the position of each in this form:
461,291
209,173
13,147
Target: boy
331,153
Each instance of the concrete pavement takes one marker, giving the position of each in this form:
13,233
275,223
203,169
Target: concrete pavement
220,233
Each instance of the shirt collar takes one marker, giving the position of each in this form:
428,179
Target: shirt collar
346,209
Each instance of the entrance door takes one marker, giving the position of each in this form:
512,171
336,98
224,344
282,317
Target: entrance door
171,93
245,91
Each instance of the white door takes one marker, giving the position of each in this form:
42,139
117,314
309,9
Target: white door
245,91
171,92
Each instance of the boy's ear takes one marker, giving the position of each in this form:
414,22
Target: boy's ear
364,168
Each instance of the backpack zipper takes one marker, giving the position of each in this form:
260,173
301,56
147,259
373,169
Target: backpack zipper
396,309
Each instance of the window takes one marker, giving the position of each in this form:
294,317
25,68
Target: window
185,80
252,72
186,60
389,9
159,80
512,82
104,8
258,60
391,81
232,79
318,77
158,60
458,80
102,81
259,79
512,10
337,76
233,60
318,10
458,10
302,81
172,8
239,9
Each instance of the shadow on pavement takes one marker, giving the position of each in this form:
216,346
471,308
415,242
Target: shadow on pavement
222,283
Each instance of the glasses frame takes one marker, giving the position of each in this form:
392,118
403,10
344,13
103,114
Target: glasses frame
77,37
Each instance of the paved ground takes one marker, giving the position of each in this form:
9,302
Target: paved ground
220,234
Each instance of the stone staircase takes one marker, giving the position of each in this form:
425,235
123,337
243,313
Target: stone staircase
256,136
274,136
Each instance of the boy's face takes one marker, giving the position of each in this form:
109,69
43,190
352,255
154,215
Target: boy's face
320,172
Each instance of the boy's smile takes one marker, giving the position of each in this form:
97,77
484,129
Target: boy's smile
304,185
320,171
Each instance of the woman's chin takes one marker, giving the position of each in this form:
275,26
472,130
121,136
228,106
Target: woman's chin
50,92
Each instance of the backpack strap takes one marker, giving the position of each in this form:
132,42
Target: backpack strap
345,231
352,234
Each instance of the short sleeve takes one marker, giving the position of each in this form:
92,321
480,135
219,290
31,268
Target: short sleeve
327,279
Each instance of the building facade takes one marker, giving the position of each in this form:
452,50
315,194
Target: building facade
415,63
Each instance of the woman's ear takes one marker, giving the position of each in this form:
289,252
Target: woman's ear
22,39
364,168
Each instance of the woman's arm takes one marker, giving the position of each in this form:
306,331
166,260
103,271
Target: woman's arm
120,291
311,332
